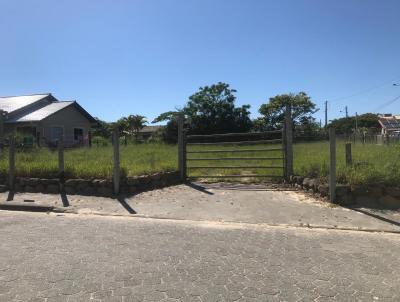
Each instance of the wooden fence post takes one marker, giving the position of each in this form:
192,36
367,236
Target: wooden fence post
288,143
349,157
11,163
60,145
117,169
1,131
332,164
181,149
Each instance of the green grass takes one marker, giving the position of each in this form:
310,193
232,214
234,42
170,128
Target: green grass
95,162
372,163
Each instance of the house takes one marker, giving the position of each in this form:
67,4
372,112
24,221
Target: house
42,119
390,124
148,131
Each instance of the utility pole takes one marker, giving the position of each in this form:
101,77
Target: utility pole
356,122
326,114
347,113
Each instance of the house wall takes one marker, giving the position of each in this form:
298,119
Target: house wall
67,118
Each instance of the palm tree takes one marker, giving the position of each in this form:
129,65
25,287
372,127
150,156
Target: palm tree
136,123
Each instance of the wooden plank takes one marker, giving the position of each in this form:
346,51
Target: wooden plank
11,163
332,164
258,142
236,158
61,172
232,134
181,148
349,158
288,142
235,167
236,151
117,168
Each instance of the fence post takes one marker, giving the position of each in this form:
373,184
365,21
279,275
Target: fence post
116,169
332,164
60,145
288,142
11,163
181,149
349,157
1,131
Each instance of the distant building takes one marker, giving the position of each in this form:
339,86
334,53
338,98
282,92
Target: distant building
42,119
390,124
148,131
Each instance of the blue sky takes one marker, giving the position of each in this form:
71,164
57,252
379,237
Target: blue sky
146,57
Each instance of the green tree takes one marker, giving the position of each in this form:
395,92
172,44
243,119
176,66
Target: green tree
136,123
210,110
347,125
273,112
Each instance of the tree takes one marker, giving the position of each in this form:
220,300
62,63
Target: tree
136,123
346,125
210,110
273,113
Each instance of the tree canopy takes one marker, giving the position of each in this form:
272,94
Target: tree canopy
347,125
211,110
273,112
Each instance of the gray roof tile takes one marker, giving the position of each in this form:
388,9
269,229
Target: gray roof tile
14,103
41,113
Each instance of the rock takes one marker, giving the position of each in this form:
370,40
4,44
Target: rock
50,181
40,188
323,189
29,189
3,188
389,202
89,191
392,191
375,191
343,195
314,183
18,187
105,191
70,190
306,183
73,182
52,189
132,181
365,200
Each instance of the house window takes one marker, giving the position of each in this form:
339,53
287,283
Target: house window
56,133
78,134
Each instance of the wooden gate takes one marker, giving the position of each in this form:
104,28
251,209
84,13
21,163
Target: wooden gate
236,155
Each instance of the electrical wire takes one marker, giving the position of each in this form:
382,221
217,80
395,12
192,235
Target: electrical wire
365,90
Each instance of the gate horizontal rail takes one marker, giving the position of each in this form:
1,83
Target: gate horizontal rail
259,142
235,176
232,134
235,167
236,151
236,158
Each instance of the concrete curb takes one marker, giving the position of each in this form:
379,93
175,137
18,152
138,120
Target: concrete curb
21,206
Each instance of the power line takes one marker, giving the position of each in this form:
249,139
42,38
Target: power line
365,90
387,103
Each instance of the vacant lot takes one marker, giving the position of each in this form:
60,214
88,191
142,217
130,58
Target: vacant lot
372,163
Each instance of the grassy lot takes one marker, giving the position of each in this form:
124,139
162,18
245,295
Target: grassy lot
372,163
95,162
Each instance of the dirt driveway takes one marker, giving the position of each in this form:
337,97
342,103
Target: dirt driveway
257,204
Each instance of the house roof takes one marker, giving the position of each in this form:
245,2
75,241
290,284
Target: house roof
36,107
14,103
150,129
41,113
389,122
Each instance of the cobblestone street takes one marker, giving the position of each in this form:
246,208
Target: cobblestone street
45,257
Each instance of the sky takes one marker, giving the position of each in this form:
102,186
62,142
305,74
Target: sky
121,57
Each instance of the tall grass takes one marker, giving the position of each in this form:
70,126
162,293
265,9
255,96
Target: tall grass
372,163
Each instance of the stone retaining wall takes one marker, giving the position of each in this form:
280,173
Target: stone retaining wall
376,196
95,187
